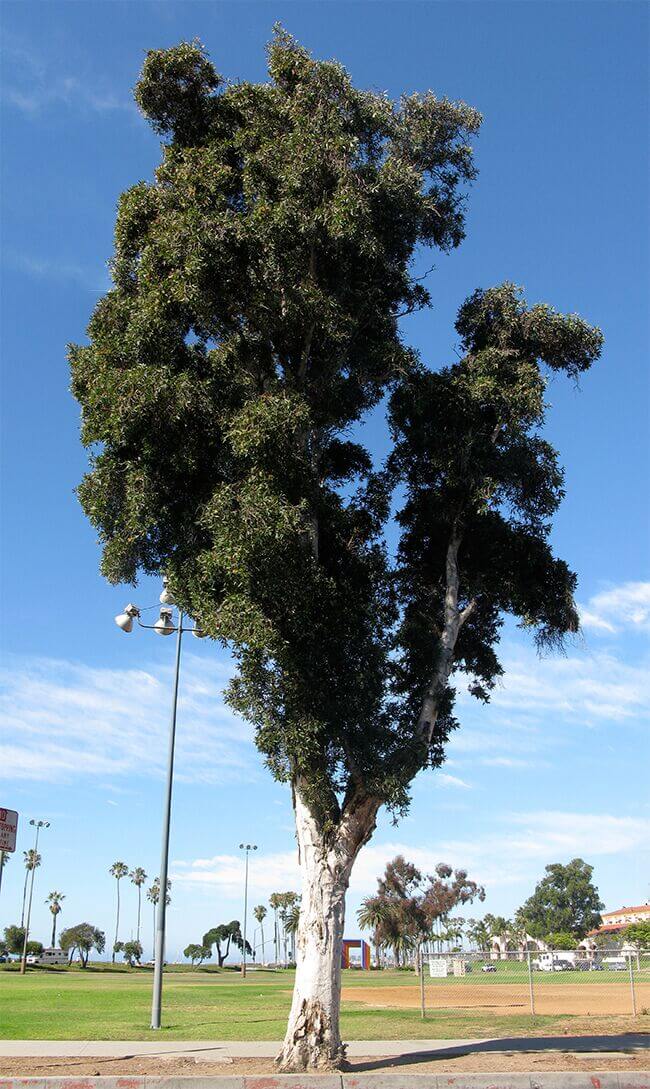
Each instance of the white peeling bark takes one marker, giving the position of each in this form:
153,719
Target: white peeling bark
313,1040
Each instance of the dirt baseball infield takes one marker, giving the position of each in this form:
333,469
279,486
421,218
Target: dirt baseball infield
504,998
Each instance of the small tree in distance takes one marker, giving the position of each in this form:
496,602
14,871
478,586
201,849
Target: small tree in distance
259,281
82,939
197,953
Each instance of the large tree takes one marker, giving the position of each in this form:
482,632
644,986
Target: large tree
254,321
565,900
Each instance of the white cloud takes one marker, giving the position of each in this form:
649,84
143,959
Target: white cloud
539,700
33,86
623,606
442,779
513,849
38,268
59,715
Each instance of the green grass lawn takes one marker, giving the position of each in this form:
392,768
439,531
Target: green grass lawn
105,1003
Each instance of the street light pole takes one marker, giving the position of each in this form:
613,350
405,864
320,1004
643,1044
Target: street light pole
37,825
163,626
159,952
246,847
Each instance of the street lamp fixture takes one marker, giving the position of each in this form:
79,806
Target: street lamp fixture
165,625
23,960
247,847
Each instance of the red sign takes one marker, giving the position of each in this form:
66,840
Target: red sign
8,828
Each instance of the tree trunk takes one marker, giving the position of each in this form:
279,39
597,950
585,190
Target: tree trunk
22,914
139,907
313,1040
53,930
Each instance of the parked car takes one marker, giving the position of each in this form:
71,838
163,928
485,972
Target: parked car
589,966
563,966
489,968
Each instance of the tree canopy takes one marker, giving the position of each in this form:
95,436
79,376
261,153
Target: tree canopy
82,938
565,900
258,284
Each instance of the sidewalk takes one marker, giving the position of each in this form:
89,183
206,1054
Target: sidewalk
224,1051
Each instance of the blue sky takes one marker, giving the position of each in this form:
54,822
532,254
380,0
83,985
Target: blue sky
558,764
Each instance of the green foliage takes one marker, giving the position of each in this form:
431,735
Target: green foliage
403,912
132,951
82,938
560,940
638,934
197,953
34,948
565,900
15,938
230,933
254,319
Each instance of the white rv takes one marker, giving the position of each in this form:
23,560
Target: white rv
47,957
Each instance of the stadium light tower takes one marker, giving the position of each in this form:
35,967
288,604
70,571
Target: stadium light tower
165,625
37,825
247,847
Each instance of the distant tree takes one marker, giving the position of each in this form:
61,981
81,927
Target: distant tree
260,915
565,900
638,935
478,934
138,877
275,902
228,933
4,948
118,947
81,939
407,906
197,953
15,937
560,940
132,952
497,925
118,870
34,948
54,900
374,915
32,862
153,896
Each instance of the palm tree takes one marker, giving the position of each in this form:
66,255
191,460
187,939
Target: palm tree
291,925
54,900
275,900
153,896
372,915
138,877
32,862
260,914
118,870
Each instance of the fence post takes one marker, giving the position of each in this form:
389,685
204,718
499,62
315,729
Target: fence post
530,985
422,1004
629,961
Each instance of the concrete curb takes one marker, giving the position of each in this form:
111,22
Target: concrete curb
609,1079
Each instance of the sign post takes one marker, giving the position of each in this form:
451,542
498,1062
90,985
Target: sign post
8,829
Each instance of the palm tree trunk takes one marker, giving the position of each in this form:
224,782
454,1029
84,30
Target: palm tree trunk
53,930
117,918
262,934
22,913
139,905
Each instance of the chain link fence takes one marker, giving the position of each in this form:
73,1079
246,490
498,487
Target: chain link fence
603,983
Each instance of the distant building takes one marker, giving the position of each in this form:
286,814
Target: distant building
614,921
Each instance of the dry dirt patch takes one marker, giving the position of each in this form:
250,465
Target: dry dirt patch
484,1064
504,998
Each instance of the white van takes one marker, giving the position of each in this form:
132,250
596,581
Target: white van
47,957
